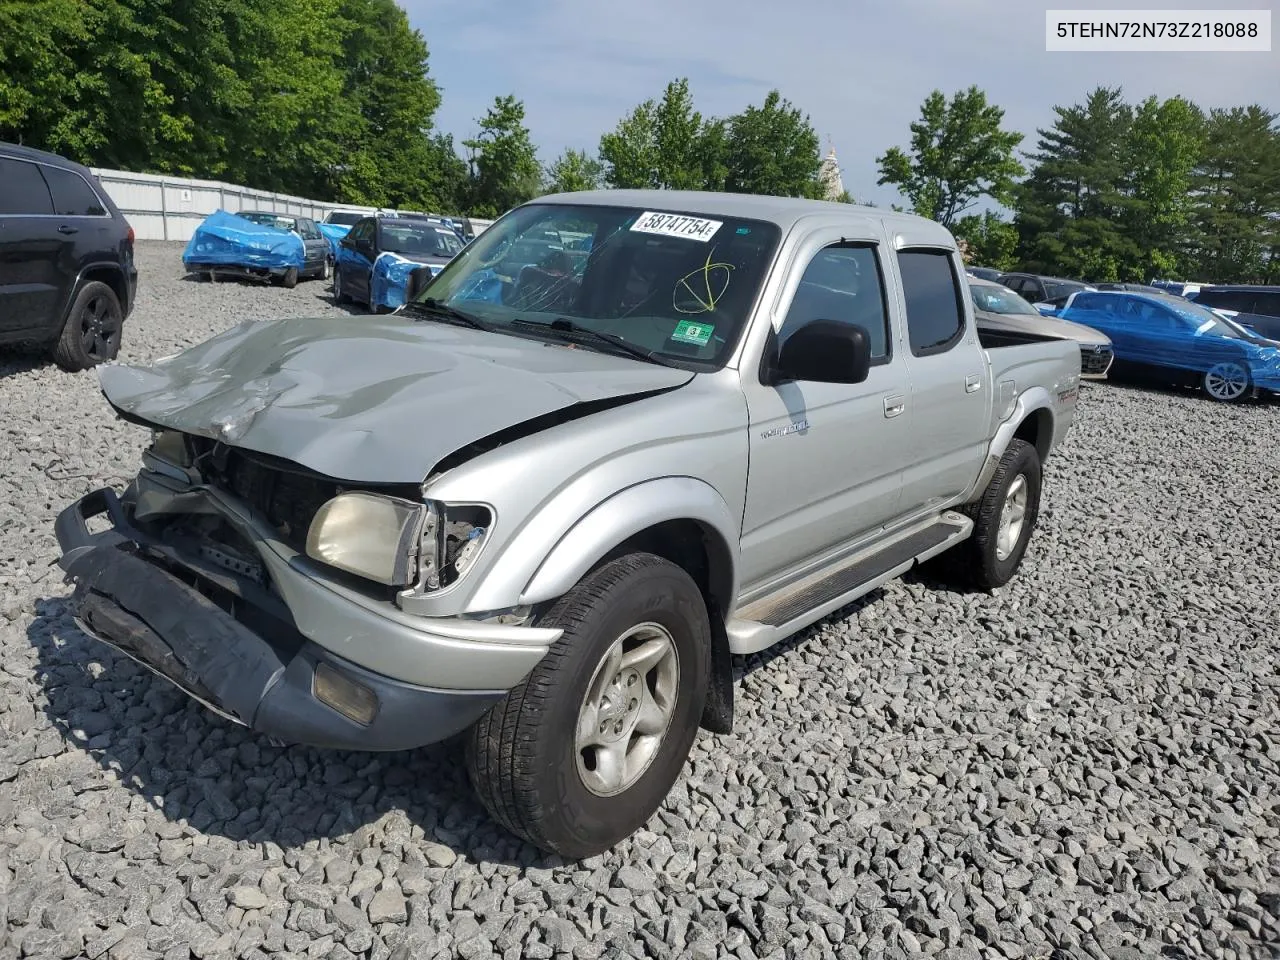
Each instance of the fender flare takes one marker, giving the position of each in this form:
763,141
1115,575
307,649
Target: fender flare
1028,403
80,281
622,516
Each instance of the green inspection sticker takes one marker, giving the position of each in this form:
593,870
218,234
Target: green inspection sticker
688,331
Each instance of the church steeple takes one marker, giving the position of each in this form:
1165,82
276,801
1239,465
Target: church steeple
829,174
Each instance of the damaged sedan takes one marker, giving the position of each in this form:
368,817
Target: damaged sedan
544,502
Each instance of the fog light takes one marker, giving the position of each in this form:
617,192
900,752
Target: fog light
350,698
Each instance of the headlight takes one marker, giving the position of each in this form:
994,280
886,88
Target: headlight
372,536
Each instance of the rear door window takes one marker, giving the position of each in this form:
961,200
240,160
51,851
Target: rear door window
72,195
935,305
23,191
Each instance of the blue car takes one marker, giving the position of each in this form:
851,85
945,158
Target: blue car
1181,341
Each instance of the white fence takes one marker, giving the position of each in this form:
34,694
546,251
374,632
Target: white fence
170,208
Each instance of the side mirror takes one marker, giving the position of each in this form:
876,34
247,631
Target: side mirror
825,351
419,277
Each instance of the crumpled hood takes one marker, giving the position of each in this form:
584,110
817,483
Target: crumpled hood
371,399
1042,326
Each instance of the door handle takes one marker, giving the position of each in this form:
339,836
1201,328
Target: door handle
894,405
67,228
972,383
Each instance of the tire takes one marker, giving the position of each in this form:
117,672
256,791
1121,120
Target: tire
92,330
1227,381
339,296
290,278
326,268
983,560
523,756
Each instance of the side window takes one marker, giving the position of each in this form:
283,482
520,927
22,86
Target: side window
935,310
72,195
22,189
842,283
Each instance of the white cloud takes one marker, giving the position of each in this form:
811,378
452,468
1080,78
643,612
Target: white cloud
859,68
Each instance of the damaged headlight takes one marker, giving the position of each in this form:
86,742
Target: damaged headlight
373,536
452,543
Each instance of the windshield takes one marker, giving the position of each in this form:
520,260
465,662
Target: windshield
343,219
678,285
271,220
419,239
1206,320
1000,300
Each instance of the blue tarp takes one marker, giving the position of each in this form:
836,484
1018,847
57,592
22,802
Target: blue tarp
390,279
1163,330
226,240
334,232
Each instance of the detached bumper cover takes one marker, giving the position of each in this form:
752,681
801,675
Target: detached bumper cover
260,678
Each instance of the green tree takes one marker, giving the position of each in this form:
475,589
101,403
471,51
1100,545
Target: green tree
1235,198
1071,209
772,149
504,162
991,241
1159,154
959,154
574,170
663,145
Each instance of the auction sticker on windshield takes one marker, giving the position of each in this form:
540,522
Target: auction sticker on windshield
675,225
687,331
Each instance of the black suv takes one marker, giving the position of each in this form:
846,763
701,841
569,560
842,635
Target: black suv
1254,306
67,277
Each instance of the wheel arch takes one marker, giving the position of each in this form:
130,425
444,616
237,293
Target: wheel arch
1031,420
112,274
681,519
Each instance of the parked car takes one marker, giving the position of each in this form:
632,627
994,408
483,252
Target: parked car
1044,293
1180,341
67,275
257,245
319,253
998,310
1256,307
1178,288
1130,287
545,511
983,273
376,257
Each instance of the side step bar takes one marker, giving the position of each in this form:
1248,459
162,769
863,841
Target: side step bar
775,617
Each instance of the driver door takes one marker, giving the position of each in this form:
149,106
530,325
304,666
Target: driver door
826,459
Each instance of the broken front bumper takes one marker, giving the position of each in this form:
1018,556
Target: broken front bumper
240,649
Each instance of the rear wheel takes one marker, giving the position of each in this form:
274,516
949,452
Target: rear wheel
1227,381
583,752
1003,521
91,333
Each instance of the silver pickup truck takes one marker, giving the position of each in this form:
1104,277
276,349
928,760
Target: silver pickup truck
543,504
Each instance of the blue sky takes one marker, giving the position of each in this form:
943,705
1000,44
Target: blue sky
860,69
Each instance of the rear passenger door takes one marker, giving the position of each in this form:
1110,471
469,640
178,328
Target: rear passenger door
826,458
951,410
36,263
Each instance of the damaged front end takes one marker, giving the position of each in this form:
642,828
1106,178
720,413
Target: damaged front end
272,594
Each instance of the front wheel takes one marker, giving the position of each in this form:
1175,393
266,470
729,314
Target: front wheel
289,279
339,295
1226,381
583,752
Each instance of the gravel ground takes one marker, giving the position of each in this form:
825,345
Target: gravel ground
1084,765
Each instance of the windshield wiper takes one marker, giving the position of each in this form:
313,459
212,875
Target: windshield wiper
439,310
568,330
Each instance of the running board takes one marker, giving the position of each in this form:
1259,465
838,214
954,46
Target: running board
775,617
